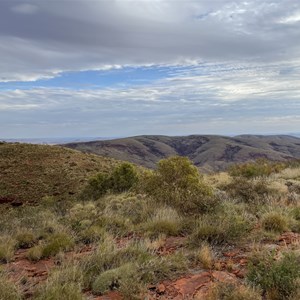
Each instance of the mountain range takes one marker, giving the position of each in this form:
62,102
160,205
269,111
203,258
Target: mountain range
208,152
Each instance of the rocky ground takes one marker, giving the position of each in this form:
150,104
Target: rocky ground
229,267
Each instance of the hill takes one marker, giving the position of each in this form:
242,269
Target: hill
30,172
208,152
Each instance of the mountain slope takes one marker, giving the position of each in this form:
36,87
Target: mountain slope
207,151
29,172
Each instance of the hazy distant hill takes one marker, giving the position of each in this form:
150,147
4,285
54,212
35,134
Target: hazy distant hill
29,172
209,152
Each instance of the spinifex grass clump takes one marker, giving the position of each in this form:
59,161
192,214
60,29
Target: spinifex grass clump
230,291
164,221
7,248
65,282
259,168
279,278
8,291
56,243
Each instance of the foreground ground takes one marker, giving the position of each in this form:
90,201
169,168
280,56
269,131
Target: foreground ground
164,234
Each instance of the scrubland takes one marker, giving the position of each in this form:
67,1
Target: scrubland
133,233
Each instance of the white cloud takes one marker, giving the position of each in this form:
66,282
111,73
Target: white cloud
25,8
295,18
94,34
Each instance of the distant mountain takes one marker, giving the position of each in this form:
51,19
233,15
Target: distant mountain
53,141
209,152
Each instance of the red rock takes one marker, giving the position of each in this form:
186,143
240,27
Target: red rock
224,277
289,237
187,287
231,253
201,294
243,261
161,288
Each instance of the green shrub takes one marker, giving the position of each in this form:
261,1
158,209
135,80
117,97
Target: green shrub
158,269
125,279
92,234
82,211
115,225
58,291
274,221
56,243
230,291
108,257
296,213
97,186
178,184
25,239
278,278
209,231
259,168
7,248
165,221
8,291
106,281
124,177
205,256
64,283
35,253
250,191
230,224
136,208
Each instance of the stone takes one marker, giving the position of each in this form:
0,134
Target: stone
161,288
224,277
187,287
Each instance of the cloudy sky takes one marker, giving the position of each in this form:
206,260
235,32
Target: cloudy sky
119,67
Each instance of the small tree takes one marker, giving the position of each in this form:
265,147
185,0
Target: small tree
124,177
177,183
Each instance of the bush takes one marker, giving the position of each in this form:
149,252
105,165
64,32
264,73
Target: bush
136,208
122,179
274,221
97,186
178,184
296,213
165,221
25,239
7,248
108,257
229,291
278,278
92,234
231,223
259,168
206,257
125,279
158,269
56,243
106,281
250,191
58,291
35,253
8,291
64,283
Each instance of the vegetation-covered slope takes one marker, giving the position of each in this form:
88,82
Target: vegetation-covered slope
206,151
170,233
29,172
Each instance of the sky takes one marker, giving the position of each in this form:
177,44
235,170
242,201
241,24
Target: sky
111,68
